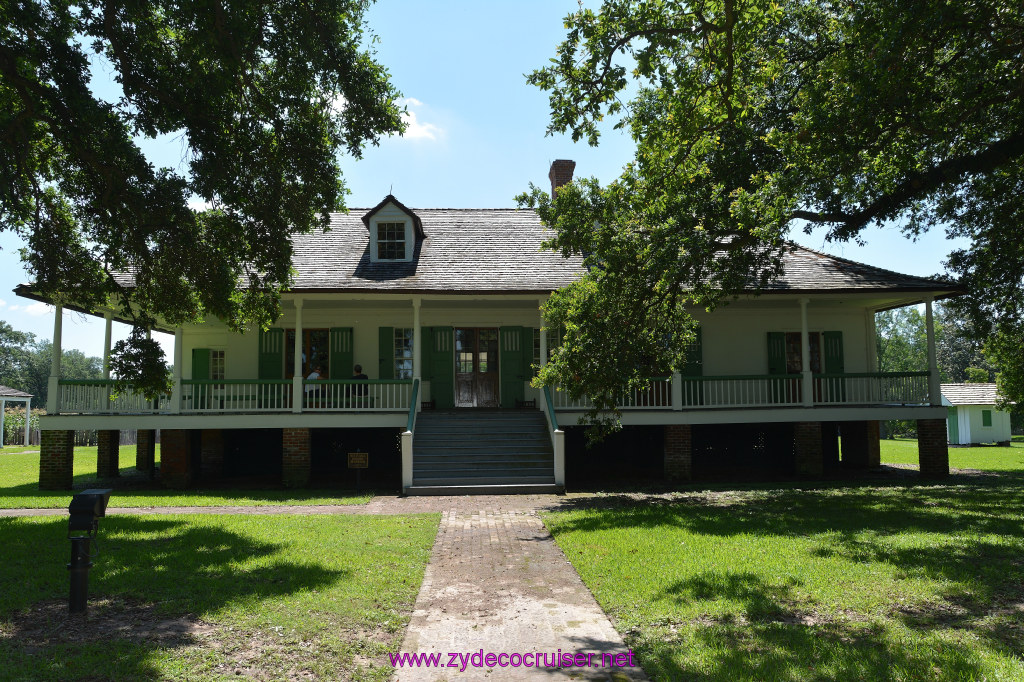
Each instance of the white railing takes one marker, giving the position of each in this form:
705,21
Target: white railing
890,388
783,390
236,395
658,396
352,395
99,396
741,391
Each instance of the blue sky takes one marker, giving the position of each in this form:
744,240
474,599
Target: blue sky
475,139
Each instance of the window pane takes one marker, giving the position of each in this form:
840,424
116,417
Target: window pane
217,364
391,241
403,352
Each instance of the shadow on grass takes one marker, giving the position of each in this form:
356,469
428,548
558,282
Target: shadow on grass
974,554
179,567
775,640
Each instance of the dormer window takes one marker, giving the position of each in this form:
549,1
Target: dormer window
391,241
393,231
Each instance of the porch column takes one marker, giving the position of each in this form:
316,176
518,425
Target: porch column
417,354
297,365
176,372
3,411
28,419
53,385
805,355
108,318
934,389
871,334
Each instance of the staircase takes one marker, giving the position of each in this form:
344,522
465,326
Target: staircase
472,452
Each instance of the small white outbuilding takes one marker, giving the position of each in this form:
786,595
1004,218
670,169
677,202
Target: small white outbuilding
972,416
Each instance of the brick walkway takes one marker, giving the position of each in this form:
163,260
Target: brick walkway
497,582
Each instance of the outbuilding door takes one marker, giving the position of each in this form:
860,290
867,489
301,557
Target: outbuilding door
952,426
476,367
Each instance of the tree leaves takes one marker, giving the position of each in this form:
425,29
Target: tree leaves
252,90
752,119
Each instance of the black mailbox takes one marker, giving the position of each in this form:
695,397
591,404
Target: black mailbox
86,507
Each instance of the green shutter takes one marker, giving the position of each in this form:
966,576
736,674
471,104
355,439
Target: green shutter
834,362
777,365
201,364
271,354
510,364
527,371
439,365
952,426
695,357
776,353
386,358
342,357
986,417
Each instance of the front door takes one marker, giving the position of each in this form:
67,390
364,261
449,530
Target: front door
476,367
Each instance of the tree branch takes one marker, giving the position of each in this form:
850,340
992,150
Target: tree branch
919,185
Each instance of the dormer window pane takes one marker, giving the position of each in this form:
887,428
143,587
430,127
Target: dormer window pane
391,241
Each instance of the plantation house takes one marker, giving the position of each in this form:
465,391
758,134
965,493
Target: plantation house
440,309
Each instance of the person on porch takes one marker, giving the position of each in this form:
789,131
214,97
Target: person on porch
357,375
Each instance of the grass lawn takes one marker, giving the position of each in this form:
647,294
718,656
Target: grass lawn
847,583
196,597
983,457
19,486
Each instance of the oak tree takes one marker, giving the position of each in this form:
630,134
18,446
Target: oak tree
752,119
262,96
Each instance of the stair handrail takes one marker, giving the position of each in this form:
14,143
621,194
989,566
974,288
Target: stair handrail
412,404
549,405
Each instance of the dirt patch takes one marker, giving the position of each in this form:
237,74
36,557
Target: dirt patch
271,654
48,623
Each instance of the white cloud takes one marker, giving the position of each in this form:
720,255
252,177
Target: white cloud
197,204
416,129
2,303
39,309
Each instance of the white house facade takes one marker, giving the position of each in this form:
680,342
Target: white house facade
439,308
972,417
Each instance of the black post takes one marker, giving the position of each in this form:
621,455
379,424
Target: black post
79,569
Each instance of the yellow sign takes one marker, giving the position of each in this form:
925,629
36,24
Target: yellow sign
358,460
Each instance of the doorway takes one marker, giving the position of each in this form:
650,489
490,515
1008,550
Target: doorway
476,367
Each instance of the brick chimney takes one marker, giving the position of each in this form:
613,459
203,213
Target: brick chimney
560,173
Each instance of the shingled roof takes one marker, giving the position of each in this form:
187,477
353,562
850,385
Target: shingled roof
969,394
8,392
499,250
466,250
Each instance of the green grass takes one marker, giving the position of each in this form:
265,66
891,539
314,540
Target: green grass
983,457
274,597
892,583
19,486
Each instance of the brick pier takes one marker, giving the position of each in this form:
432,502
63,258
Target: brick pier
296,459
679,452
